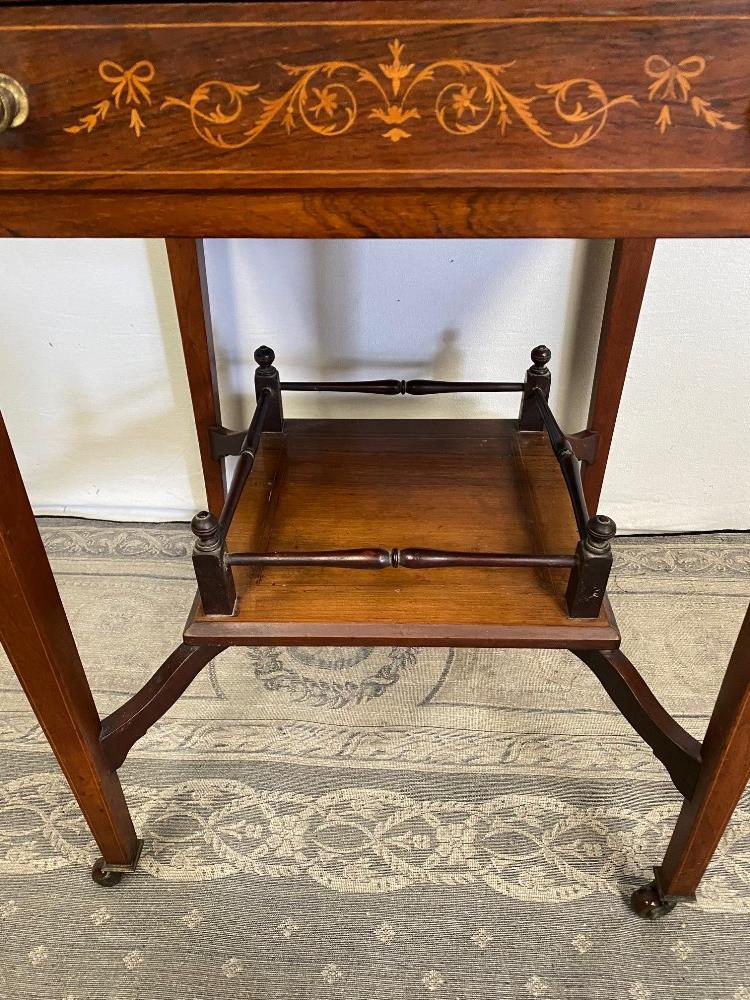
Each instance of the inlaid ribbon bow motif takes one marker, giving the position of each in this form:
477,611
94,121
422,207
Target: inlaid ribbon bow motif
672,85
130,89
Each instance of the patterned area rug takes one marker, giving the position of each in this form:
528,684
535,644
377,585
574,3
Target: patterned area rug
356,823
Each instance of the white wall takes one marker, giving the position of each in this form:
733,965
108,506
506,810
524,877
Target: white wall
94,394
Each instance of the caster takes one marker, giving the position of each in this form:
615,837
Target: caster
109,875
649,903
104,878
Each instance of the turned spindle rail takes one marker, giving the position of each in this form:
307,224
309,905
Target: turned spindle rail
590,565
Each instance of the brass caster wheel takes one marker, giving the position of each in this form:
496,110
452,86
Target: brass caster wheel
649,903
104,878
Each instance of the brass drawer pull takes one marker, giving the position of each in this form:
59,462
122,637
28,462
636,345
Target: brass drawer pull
14,104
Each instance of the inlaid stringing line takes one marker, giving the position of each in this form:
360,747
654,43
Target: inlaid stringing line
429,22
396,170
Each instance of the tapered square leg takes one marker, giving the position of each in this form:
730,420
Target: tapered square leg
35,633
188,271
724,774
631,262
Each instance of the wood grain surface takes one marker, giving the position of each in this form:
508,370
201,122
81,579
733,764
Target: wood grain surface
473,485
385,214
378,95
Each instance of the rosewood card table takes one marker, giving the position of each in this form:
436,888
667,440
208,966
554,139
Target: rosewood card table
378,119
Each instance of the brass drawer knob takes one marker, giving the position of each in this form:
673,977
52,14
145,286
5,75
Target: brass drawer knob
14,104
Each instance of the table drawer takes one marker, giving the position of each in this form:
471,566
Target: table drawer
371,94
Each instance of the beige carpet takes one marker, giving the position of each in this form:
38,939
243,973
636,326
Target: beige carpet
355,823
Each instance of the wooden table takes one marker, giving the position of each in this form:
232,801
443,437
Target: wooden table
359,119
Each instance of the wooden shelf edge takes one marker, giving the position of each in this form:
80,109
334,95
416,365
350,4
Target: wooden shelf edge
224,631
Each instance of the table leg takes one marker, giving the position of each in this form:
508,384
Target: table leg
187,267
35,633
725,752
627,283
724,773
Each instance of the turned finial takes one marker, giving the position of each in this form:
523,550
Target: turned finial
264,359
600,530
268,384
206,529
541,356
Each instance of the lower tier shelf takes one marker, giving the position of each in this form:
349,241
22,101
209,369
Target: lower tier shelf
464,485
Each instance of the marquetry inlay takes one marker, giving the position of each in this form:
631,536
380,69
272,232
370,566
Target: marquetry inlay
129,91
463,96
672,86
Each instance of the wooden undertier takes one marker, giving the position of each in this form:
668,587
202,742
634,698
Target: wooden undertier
476,485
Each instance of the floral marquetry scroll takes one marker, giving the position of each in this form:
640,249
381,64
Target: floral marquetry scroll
326,97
